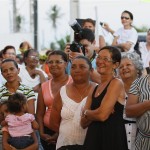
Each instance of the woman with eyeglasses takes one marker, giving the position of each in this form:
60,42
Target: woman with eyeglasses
126,37
103,112
130,69
57,62
31,75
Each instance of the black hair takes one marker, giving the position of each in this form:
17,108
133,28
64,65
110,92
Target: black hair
26,53
86,59
15,102
10,60
128,12
61,53
87,34
116,54
88,20
8,47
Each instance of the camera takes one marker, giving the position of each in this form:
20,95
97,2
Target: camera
101,23
75,46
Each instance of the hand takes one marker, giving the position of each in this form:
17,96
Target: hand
67,48
49,139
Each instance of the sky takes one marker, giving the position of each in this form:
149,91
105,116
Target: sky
101,10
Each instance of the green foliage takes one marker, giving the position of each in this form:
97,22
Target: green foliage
60,44
141,29
43,57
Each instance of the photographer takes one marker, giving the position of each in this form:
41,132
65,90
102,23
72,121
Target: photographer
86,39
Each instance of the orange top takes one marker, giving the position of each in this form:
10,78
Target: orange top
48,99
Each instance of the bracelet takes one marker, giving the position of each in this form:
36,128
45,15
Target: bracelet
85,112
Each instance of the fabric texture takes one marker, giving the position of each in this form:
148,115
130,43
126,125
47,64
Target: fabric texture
70,131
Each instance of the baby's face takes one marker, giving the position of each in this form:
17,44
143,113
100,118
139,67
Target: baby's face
4,110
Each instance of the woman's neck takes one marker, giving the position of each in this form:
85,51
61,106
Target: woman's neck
106,78
127,27
60,78
148,46
13,86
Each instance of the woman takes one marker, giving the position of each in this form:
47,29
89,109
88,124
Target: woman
138,106
10,71
31,75
103,112
126,37
130,69
57,61
65,116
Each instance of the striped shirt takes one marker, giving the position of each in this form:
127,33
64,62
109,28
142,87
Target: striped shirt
141,88
25,90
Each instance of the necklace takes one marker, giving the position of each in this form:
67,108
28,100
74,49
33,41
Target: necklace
83,91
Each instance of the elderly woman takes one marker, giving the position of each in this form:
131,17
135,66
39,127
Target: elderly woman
103,112
65,116
57,61
10,71
131,67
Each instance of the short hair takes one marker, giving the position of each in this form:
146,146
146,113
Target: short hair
8,47
15,102
86,59
129,13
115,51
136,60
27,52
59,52
88,20
87,34
9,60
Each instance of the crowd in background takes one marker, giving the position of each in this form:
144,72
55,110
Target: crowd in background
89,96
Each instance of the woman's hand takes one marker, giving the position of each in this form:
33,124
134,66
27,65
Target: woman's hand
49,139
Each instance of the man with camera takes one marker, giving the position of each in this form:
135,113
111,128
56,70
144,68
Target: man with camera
83,44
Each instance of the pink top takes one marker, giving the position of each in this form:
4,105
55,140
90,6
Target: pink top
19,125
48,99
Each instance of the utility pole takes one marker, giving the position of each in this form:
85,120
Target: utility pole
14,16
35,8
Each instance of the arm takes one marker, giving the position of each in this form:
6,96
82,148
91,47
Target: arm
106,27
31,107
4,123
102,42
35,125
107,105
55,116
41,108
126,46
134,108
84,121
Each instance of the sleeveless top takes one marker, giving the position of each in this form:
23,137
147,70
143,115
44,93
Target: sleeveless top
109,134
48,99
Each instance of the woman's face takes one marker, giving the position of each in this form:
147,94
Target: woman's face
80,70
9,71
105,63
127,69
126,20
56,64
32,59
10,53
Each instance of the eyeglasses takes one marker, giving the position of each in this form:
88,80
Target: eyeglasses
57,62
11,54
34,57
105,59
122,17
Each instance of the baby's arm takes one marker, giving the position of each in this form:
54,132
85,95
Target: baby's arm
4,123
35,125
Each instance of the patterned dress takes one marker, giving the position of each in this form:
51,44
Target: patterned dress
141,88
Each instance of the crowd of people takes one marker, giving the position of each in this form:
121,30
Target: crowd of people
97,98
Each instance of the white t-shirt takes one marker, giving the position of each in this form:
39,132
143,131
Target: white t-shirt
145,53
127,35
